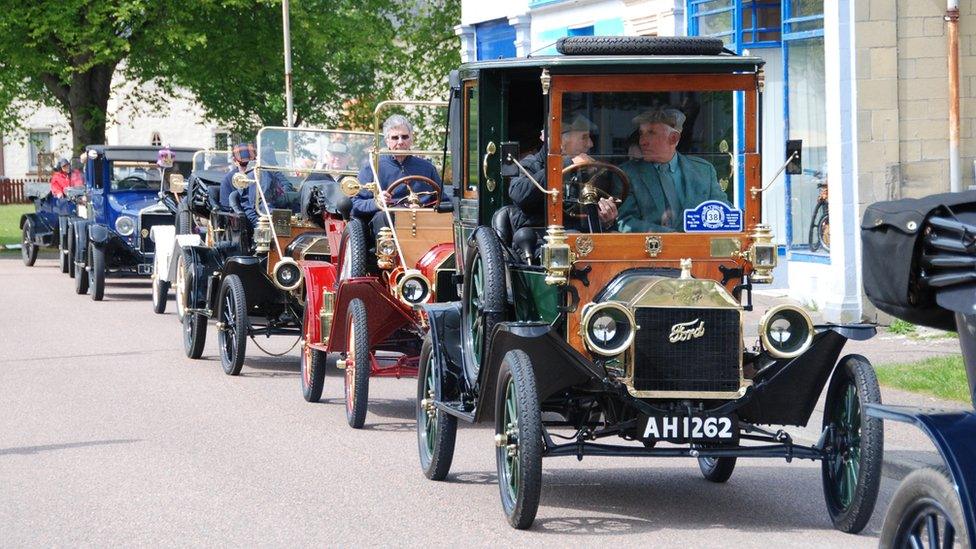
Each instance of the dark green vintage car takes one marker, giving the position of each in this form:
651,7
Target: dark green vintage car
602,300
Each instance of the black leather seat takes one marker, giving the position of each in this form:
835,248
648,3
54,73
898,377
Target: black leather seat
523,241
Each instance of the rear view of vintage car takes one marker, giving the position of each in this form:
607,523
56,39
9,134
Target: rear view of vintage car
371,315
619,331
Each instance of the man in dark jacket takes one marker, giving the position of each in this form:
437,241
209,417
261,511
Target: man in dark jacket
243,154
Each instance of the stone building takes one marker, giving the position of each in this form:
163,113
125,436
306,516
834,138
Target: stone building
863,84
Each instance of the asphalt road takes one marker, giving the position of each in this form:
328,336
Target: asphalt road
110,436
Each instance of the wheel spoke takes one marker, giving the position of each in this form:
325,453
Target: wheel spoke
932,525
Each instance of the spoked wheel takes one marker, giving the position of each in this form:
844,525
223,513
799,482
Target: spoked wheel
518,440
854,444
232,327
436,429
925,512
483,293
97,272
314,365
183,279
160,293
357,364
28,250
716,469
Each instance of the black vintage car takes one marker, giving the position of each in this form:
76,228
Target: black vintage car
47,226
932,282
127,195
577,335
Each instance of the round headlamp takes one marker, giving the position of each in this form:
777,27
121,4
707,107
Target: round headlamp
786,331
608,328
413,288
385,247
286,274
125,225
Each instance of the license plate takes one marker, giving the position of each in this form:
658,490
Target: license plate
691,428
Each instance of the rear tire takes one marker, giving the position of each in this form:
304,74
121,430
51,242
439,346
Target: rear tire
28,250
63,257
925,503
97,272
436,429
355,248
232,334
160,293
358,364
314,366
518,444
194,334
71,251
717,470
81,278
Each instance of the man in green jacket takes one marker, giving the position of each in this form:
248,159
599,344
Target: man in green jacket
664,183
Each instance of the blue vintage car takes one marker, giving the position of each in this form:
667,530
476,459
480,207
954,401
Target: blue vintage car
47,226
126,195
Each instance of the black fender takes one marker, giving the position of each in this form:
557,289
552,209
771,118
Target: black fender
952,434
555,363
99,235
81,241
44,234
445,337
253,272
203,262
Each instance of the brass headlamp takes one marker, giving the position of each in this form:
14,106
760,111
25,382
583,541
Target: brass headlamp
385,248
262,235
762,254
557,257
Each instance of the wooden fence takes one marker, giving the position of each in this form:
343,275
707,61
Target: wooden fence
15,191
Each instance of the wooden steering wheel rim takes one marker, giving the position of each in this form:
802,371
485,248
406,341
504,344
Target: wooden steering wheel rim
403,181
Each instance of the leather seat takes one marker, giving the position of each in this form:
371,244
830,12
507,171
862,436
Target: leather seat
523,241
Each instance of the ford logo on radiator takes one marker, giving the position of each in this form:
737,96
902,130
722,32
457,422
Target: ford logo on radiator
686,331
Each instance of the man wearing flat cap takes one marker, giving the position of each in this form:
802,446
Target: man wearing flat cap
329,194
243,154
576,142
663,182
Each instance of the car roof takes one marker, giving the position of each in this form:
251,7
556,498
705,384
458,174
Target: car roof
615,64
140,153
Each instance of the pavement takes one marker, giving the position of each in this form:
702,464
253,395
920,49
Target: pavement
906,447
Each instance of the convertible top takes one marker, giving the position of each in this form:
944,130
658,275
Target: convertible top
140,154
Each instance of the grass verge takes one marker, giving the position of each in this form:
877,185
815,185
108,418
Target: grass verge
10,222
942,377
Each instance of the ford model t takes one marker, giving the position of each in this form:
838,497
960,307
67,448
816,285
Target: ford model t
246,273
371,314
605,277
47,226
127,191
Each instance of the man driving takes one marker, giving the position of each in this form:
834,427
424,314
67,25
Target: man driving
663,182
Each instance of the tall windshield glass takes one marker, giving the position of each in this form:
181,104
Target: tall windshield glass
129,175
650,162
212,160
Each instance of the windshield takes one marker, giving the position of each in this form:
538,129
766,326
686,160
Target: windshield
308,155
132,175
649,162
212,160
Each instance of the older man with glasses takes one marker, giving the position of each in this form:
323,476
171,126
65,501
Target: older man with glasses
398,133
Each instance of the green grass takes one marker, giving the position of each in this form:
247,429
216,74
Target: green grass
901,327
942,377
10,222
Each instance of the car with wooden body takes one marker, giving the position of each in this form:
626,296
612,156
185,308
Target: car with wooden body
577,337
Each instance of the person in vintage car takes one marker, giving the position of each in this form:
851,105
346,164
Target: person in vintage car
61,179
664,182
576,144
398,134
243,155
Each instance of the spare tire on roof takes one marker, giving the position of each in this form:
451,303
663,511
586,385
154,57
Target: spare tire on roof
639,45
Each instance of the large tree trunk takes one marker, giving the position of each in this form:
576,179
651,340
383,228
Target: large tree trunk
85,100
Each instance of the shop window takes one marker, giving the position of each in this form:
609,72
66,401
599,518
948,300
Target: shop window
739,23
712,18
156,140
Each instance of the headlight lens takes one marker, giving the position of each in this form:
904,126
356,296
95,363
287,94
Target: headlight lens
385,247
287,274
125,225
414,288
608,328
786,331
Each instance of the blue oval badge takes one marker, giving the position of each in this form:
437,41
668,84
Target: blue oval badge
713,216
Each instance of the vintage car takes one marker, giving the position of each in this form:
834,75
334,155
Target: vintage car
580,330
371,314
930,283
208,169
47,226
127,194
248,278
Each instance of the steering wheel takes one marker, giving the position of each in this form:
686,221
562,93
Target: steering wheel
587,192
135,180
413,198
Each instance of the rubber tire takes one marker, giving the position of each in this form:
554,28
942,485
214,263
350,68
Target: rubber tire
28,250
484,244
437,463
521,510
183,270
357,364
184,219
71,250
639,45
717,470
194,335
63,258
160,294
315,364
81,279
855,517
813,238
355,249
823,228
97,272
928,486
232,352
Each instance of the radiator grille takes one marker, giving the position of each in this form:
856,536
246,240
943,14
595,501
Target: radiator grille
706,363
146,223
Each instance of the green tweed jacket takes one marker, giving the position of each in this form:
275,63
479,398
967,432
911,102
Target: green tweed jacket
644,207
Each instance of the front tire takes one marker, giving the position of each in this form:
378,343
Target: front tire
63,261
851,473
518,440
717,470
28,250
232,332
160,293
81,278
355,248
97,272
357,364
436,429
71,250
925,512
314,365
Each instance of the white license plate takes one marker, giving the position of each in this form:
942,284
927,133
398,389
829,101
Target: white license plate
691,428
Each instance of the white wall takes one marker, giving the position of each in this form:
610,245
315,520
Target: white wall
479,11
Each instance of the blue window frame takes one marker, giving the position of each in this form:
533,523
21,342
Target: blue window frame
739,23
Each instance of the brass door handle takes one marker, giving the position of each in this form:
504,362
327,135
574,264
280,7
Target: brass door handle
489,150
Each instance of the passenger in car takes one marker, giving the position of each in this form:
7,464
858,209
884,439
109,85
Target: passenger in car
243,154
663,182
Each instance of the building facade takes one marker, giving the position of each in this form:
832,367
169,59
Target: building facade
860,85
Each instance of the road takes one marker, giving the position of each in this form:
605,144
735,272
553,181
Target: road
110,436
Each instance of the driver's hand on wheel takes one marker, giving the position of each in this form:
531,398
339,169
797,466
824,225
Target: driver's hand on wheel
582,157
606,210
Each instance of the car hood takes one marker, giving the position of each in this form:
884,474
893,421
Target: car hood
132,203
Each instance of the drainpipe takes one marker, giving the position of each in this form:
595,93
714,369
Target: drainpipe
952,20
